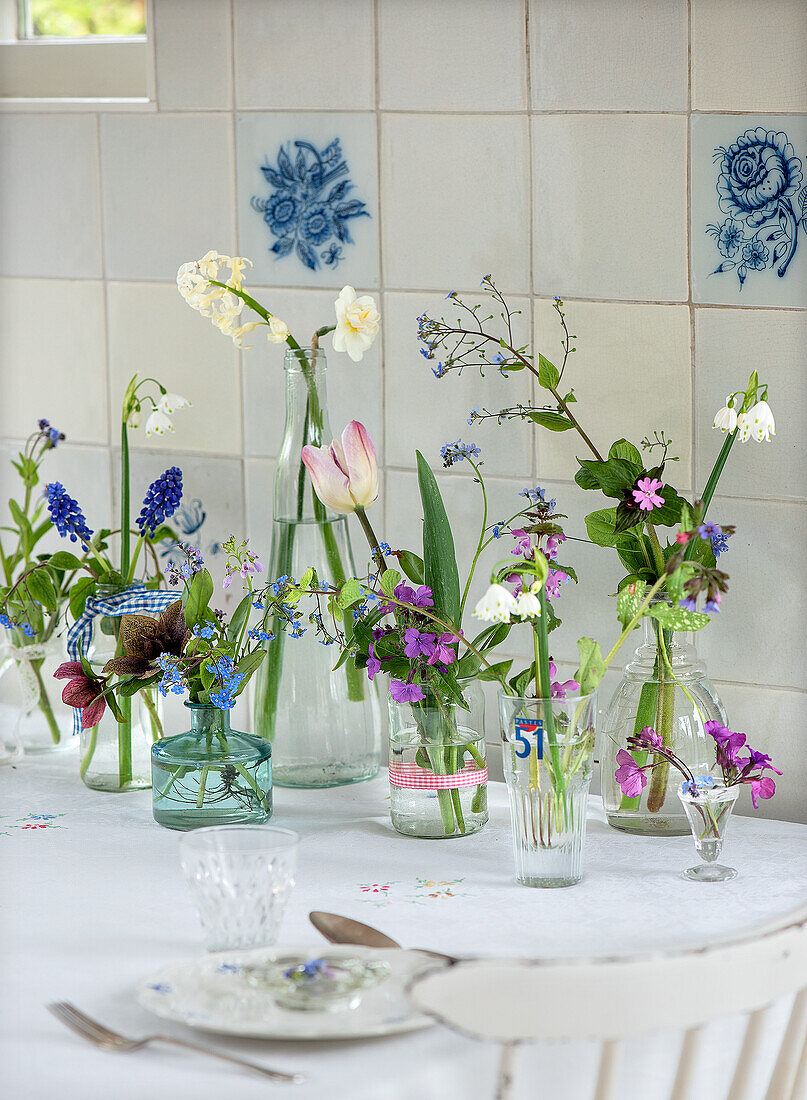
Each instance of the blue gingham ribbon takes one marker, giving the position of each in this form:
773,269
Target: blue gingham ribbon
136,598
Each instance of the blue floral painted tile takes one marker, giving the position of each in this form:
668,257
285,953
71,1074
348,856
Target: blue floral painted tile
308,198
749,209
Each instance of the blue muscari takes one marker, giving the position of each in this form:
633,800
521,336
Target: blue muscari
66,515
161,500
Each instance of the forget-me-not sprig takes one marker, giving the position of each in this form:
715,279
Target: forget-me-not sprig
457,451
66,515
161,501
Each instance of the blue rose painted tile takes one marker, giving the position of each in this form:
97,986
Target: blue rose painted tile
308,198
749,209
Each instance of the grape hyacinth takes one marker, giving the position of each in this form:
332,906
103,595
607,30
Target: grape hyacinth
66,515
161,501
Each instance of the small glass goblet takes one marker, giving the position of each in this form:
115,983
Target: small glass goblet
708,804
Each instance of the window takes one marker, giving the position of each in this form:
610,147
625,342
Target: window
74,51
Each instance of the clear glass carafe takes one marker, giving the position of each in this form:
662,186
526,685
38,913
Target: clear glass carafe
33,717
211,774
665,686
324,725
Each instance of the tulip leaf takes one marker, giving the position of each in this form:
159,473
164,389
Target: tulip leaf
495,672
592,666
440,561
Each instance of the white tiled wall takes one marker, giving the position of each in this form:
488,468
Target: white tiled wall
565,146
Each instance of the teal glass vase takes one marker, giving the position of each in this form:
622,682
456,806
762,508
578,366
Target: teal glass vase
211,774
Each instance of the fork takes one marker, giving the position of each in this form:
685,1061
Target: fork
106,1039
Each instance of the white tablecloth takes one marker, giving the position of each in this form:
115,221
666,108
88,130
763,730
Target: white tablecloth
94,900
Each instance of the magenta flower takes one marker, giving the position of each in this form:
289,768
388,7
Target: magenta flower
629,775
523,545
650,738
558,690
420,598
417,644
762,786
728,743
760,760
373,663
406,693
552,544
553,582
443,651
646,494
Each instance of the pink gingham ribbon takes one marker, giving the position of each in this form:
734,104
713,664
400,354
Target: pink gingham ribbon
416,778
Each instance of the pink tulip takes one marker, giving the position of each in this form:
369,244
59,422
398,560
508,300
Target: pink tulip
345,475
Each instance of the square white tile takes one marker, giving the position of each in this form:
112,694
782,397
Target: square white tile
749,201
728,345
730,41
51,220
455,201
308,198
54,354
609,201
606,55
153,332
354,389
424,412
303,54
259,476
193,54
631,375
458,55
758,637
168,191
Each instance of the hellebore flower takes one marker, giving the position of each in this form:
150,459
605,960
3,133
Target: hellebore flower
144,638
357,321
646,494
82,692
496,606
629,775
345,475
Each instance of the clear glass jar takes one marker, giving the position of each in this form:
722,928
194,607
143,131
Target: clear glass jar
547,748
34,718
211,774
665,686
437,766
324,725
708,809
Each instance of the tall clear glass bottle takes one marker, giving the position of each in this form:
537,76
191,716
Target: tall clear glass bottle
665,686
324,725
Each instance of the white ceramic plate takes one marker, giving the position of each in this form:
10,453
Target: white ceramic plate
211,994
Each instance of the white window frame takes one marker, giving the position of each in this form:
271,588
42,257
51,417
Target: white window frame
75,73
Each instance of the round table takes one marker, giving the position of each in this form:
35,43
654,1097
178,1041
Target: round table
94,901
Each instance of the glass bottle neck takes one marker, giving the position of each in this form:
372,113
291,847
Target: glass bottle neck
208,721
667,650
306,424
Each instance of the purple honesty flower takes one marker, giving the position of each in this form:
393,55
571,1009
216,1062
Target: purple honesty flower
442,650
629,775
420,598
728,743
760,760
405,692
373,662
762,786
417,644
649,738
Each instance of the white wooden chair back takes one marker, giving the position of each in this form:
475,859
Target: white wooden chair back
611,1000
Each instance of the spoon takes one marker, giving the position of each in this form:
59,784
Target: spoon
338,929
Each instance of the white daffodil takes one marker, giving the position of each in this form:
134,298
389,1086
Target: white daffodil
496,606
170,403
357,321
278,331
762,424
725,419
528,606
158,423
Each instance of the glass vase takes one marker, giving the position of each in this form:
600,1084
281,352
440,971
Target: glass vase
437,769
547,747
34,718
324,725
211,774
665,686
708,810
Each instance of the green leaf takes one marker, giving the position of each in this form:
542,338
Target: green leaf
439,557
247,665
554,421
628,603
351,592
306,578
701,551
495,672
130,687
164,531
600,527
390,579
624,449
63,559
669,513
585,479
41,589
634,551
627,517
412,566
82,588
196,599
592,665
678,618
239,617
614,476
548,374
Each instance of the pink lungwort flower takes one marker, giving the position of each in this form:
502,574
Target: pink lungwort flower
629,775
646,494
